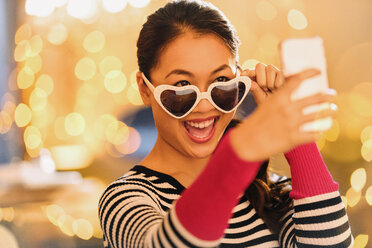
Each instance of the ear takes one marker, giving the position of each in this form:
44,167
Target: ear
144,91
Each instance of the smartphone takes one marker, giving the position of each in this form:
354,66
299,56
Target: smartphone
297,54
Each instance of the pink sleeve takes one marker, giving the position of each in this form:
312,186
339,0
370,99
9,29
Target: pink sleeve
205,207
310,175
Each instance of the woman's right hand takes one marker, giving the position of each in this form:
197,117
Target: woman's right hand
274,126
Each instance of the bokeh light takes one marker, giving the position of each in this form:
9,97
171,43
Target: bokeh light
369,195
94,42
82,9
250,64
7,238
117,132
361,241
296,19
38,99
22,115
23,33
110,63
45,82
115,81
85,68
82,228
36,44
353,197
114,6
32,137
34,63
22,51
74,124
25,78
39,8
57,35
367,150
358,179
266,10
139,3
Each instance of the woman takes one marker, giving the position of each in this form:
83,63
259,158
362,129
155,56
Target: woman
199,189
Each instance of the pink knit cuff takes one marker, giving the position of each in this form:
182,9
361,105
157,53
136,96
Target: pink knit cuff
310,175
205,207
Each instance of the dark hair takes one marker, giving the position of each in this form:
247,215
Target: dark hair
175,19
270,199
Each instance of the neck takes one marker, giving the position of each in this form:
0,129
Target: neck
167,159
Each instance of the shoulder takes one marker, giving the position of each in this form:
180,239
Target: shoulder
139,186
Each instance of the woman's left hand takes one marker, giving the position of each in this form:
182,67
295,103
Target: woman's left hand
266,79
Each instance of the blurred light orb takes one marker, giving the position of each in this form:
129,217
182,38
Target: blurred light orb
32,137
22,51
38,99
82,9
53,212
24,32
101,124
94,42
7,238
115,81
82,228
59,3
110,63
250,64
5,122
134,97
361,241
71,157
358,179
117,132
57,34
46,162
138,3
321,142
35,63
114,6
333,133
369,195
367,150
39,8
366,134
364,92
22,115
46,83
85,68
265,10
36,44
66,225
296,19
74,124
133,79
353,197
25,78
132,144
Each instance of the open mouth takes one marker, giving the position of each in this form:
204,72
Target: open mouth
201,131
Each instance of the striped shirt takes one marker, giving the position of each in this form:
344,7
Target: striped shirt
137,210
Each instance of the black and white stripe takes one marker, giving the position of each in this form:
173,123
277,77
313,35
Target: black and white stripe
136,211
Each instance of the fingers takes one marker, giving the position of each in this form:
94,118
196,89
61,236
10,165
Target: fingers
295,80
331,111
321,97
261,76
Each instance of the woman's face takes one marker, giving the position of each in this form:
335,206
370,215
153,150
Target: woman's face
199,60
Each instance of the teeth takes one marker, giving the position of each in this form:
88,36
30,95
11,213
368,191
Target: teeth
201,124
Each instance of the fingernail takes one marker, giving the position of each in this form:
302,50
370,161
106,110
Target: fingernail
333,107
331,92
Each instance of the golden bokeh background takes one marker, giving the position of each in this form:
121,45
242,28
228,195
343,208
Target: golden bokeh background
71,86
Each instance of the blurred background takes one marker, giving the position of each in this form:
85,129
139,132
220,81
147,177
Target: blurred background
72,120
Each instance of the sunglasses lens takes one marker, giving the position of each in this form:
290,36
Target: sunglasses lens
178,102
227,97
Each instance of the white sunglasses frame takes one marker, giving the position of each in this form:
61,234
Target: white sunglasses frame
199,95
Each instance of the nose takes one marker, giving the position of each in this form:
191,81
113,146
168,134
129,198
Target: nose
204,106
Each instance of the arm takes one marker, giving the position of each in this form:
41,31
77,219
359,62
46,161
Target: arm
319,217
131,217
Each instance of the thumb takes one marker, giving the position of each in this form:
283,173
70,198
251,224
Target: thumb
257,92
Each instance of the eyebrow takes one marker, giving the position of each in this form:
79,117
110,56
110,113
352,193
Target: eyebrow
184,72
